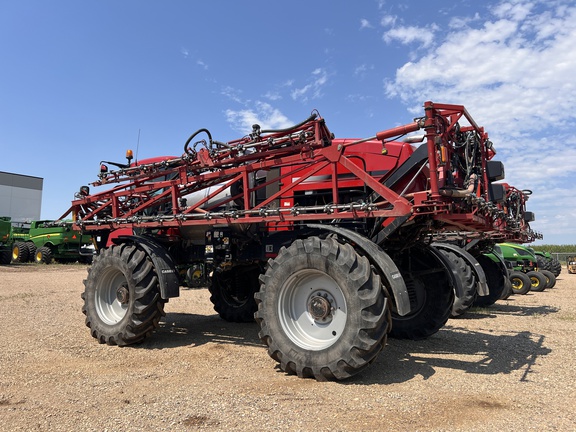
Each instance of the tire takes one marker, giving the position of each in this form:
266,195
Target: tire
555,267
121,296
507,292
430,291
232,293
496,280
550,278
5,256
43,255
521,283
20,252
537,280
468,281
322,310
85,259
31,251
543,263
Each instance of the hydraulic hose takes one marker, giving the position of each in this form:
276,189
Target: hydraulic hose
312,117
460,193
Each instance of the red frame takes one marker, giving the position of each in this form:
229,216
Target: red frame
301,154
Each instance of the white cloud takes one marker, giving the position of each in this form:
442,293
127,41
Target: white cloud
514,71
388,20
364,23
460,22
201,63
272,95
232,93
260,113
313,89
410,34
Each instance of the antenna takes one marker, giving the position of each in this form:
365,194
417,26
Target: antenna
137,147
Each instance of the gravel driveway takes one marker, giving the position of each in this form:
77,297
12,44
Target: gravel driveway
508,367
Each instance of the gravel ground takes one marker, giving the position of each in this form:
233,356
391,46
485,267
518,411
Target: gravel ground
508,367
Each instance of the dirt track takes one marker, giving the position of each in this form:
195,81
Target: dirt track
509,367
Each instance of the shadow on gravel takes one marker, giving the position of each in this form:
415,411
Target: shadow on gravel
456,348
184,329
452,347
507,309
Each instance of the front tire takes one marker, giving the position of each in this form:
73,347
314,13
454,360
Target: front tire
550,278
322,310
520,283
538,281
122,300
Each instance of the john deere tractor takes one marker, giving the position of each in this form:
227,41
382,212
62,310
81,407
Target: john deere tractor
525,274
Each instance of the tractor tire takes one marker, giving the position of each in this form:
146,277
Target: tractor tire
521,283
5,256
537,280
507,292
121,296
43,255
496,280
543,263
20,252
321,309
31,251
85,259
550,278
555,267
430,291
468,280
232,293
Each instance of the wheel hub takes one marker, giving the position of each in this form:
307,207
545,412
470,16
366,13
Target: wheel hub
320,307
122,294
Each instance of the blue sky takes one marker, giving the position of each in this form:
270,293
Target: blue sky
80,79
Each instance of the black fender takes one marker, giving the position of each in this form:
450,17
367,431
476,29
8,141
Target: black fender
162,261
482,286
380,260
454,279
502,264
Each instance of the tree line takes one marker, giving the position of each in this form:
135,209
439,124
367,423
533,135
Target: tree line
555,248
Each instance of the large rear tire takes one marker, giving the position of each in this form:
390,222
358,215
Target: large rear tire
521,283
555,267
430,291
20,252
122,300
322,310
232,293
31,250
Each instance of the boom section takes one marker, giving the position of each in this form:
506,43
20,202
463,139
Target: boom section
260,177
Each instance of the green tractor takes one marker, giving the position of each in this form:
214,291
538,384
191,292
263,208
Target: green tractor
524,273
547,262
5,240
43,243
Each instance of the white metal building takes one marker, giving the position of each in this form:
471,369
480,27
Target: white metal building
20,196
